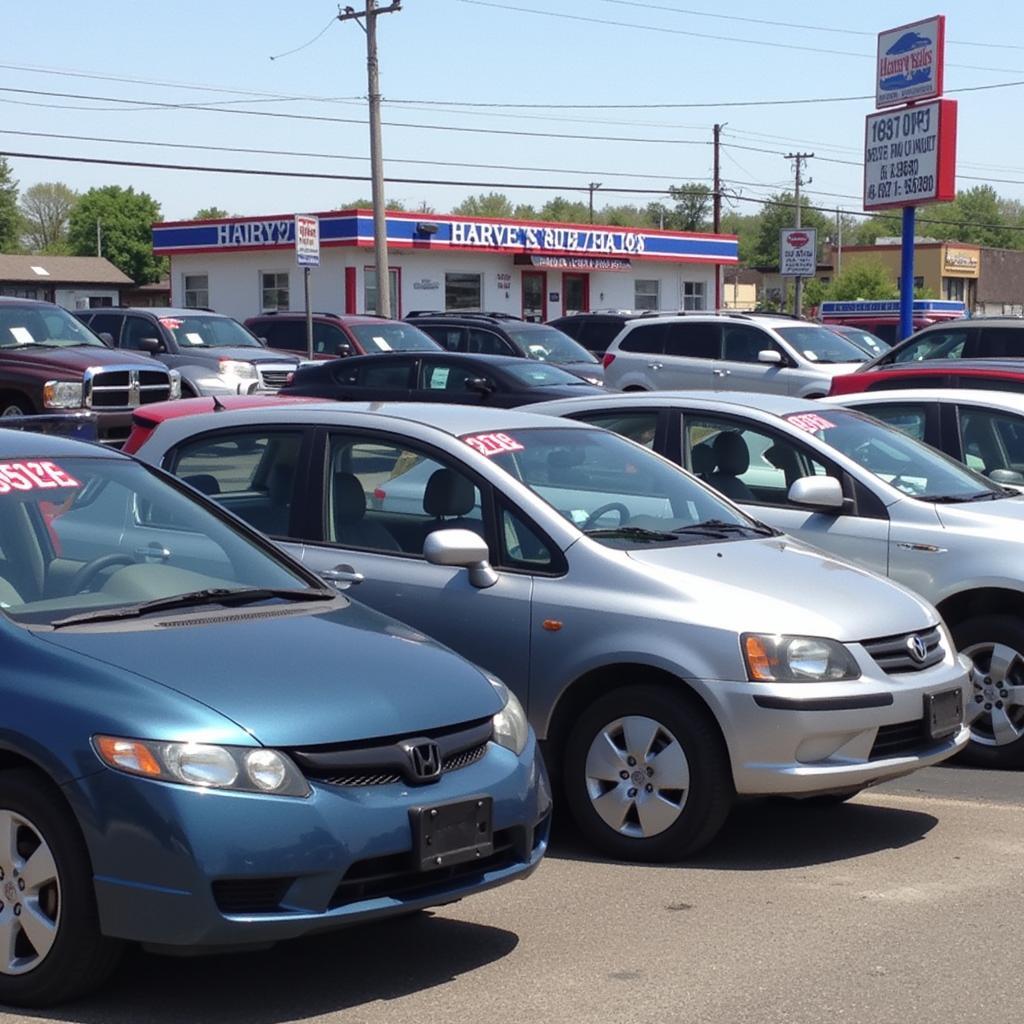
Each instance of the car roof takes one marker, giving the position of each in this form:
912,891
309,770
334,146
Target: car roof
30,444
774,405
1009,400
158,311
970,366
13,300
340,318
457,357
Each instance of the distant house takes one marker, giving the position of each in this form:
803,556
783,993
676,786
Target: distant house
156,294
74,282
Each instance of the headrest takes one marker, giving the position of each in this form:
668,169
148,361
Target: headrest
731,453
448,494
703,458
204,482
349,499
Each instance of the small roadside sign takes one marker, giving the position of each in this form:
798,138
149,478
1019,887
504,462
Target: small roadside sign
307,241
798,252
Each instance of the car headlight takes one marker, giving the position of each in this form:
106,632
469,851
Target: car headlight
62,394
175,391
236,368
511,729
205,765
595,380
796,659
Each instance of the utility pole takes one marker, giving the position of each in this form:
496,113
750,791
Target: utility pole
99,237
839,243
592,187
380,224
716,206
799,158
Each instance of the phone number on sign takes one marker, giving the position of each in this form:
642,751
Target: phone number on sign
923,185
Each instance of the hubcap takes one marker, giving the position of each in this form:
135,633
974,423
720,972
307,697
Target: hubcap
638,778
11,410
30,898
996,712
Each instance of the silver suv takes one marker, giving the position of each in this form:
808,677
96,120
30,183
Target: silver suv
766,352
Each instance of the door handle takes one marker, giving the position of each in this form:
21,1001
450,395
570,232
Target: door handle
720,373
343,574
655,366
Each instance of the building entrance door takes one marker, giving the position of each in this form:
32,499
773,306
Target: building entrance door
535,298
575,293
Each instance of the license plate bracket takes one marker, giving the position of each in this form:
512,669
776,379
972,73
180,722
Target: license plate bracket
943,713
449,834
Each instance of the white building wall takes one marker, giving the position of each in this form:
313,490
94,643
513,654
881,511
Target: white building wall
78,298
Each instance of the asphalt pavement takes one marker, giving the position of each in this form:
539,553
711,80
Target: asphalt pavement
903,905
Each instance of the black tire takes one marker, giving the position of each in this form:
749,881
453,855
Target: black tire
634,387
708,799
80,958
973,636
12,404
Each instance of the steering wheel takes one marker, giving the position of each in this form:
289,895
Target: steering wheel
83,579
599,513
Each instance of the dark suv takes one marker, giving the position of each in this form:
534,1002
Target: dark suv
997,337
52,363
595,331
214,354
499,334
335,335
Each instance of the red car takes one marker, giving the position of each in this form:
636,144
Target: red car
336,335
990,374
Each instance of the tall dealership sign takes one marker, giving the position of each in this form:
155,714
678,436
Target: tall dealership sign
910,143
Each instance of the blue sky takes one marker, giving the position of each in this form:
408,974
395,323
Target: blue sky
454,51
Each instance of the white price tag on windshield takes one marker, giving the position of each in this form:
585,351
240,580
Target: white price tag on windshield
194,339
22,335
381,343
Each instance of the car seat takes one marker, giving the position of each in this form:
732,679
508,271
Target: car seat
449,497
732,460
8,595
349,514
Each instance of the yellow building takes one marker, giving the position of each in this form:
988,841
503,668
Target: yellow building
945,270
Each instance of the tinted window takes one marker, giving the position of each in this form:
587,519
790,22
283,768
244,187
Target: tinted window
942,343
999,342
439,376
388,374
991,440
696,341
573,326
741,344
901,415
327,339
392,337
649,338
106,323
597,335
887,332
285,334
637,426
487,343
451,338
1013,384
135,328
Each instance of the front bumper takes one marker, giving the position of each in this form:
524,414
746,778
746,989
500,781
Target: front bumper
804,739
341,856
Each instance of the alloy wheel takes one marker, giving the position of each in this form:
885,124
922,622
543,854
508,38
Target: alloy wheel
996,711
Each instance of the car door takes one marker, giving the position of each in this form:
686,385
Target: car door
444,380
691,356
987,440
996,343
756,465
740,368
376,378
380,497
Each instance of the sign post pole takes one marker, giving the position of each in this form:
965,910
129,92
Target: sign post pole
309,314
307,255
907,274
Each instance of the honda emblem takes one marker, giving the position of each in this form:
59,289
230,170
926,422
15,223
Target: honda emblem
424,760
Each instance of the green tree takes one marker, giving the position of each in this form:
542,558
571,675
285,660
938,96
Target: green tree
778,213
568,211
45,209
367,204
210,213
658,215
525,211
745,227
125,218
624,216
693,206
863,279
486,204
10,217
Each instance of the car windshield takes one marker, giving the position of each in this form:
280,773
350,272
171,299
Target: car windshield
820,345
101,536
393,337
43,326
534,376
197,331
612,489
916,469
870,343
549,345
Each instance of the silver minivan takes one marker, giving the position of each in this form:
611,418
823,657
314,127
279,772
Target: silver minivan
771,353
672,652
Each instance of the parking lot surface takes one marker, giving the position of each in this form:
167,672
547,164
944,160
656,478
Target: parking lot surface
902,905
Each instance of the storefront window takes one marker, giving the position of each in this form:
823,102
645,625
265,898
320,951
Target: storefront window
955,288
197,291
694,295
370,290
463,291
646,294
274,286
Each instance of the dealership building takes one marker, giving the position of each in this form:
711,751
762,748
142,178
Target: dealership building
539,270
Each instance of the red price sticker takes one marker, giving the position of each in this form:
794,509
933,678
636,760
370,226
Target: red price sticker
809,421
31,476
170,323
493,444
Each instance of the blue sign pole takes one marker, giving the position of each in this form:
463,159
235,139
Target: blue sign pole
907,275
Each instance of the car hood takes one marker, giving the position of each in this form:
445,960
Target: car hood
778,585
301,680
246,354
835,369
584,369
79,358
1004,517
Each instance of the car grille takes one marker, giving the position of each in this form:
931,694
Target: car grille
273,378
903,739
250,895
125,387
892,653
386,763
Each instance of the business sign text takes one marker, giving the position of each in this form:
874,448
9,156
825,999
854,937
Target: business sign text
307,241
514,236
798,252
581,263
909,64
910,156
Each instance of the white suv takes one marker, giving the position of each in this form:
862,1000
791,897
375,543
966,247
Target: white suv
765,352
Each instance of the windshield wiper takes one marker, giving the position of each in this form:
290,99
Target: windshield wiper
211,595
960,499
630,533
720,528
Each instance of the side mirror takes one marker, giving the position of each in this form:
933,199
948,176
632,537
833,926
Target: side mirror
344,349
464,549
151,345
769,355
263,341
821,492
107,338
481,385
1006,476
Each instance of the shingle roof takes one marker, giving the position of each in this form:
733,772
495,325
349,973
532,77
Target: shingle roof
60,270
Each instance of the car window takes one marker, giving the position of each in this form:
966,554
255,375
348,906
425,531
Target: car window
487,343
647,338
943,343
136,328
746,463
521,546
284,334
206,330
454,339
106,323
385,374
327,339
887,332
906,416
637,426
596,335
441,376
251,472
391,336
694,340
991,440
999,342
820,345
389,497
742,343
549,345
44,326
